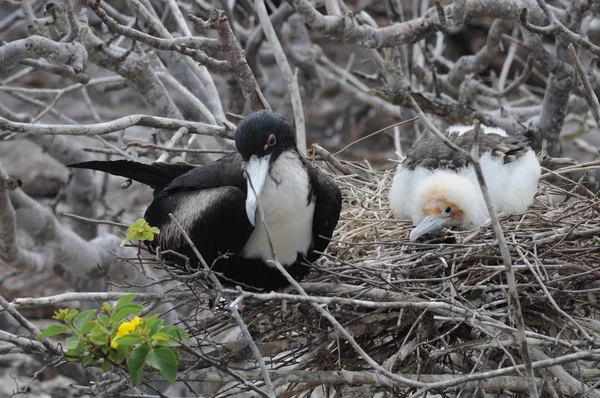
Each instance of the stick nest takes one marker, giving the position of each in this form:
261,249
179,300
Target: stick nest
431,312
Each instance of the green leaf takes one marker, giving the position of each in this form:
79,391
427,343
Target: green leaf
99,338
53,330
72,342
88,327
168,343
87,359
154,324
161,336
74,346
103,319
122,353
128,239
176,333
125,300
106,308
140,230
165,361
101,329
129,339
113,357
140,223
135,363
73,355
83,318
70,315
124,311
155,230
106,365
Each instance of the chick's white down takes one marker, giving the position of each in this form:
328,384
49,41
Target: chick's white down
416,194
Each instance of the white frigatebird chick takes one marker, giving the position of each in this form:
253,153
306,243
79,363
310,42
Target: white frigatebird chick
217,208
436,186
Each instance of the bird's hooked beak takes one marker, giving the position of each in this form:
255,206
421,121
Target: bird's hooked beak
429,224
256,172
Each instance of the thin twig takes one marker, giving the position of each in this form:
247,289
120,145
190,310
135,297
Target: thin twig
595,105
507,260
290,78
234,312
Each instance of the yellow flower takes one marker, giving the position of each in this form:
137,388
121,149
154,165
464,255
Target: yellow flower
133,325
124,329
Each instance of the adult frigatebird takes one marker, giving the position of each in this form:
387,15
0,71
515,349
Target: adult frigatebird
436,186
219,210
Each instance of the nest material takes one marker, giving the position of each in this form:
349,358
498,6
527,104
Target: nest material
430,312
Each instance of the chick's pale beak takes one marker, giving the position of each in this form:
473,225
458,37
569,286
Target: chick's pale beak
256,172
429,224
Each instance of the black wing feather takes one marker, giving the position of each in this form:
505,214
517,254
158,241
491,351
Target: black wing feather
155,175
220,223
327,212
166,178
226,171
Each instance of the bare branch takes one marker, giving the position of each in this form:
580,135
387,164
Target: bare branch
33,302
345,377
257,37
557,28
507,260
72,53
235,56
592,98
115,125
346,27
59,70
290,78
56,243
10,252
190,46
234,312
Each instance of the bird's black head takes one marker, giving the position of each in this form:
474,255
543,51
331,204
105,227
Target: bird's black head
264,133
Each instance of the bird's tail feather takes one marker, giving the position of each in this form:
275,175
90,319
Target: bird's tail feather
155,175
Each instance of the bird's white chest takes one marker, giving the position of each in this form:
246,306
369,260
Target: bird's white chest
288,214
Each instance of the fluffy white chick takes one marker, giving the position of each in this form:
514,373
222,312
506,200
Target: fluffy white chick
436,186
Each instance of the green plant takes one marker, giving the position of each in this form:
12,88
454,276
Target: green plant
140,230
109,339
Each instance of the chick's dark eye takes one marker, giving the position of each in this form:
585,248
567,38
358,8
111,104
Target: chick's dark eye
448,211
272,140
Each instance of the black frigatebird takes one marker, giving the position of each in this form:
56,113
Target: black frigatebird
216,206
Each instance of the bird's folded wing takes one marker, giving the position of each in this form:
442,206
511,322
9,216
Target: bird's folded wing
155,175
227,171
433,153
510,148
215,219
327,212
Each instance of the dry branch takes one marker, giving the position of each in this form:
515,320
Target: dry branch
56,243
72,54
191,46
291,79
235,56
115,125
345,378
346,27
